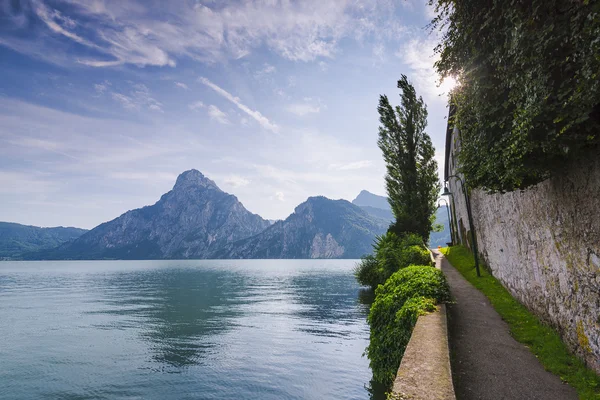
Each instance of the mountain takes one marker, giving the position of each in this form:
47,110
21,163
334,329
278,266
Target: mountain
368,199
375,205
440,238
379,207
318,228
191,221
17,239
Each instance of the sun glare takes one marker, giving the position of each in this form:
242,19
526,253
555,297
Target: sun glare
448,84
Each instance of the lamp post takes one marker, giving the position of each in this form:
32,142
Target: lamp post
449,220
470,216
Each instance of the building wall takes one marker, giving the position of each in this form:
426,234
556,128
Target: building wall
543,244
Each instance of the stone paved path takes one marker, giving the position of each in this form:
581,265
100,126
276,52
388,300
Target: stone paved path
487,363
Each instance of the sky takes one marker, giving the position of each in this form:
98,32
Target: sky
104,102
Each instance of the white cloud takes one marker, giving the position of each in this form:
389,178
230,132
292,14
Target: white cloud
182,85
135,32
101,87
216,114
379,53
308,106
138,97
125,101
419,55
280,196
351,166
236,181
302,109
50,18
196,105
261,119
266,70
429,11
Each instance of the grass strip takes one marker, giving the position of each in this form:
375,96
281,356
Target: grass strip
526,328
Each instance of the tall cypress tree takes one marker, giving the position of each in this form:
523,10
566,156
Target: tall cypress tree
411,181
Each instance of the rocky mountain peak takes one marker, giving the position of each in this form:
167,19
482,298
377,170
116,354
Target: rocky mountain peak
194,178
308,205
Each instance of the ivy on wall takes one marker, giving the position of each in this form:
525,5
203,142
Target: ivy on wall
529,93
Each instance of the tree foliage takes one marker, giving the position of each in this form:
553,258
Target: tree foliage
411,181
529,94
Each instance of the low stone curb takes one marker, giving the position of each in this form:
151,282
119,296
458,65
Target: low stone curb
425,371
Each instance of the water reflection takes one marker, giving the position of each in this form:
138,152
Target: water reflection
329,305
179,312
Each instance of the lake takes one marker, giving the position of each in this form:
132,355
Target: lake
249,329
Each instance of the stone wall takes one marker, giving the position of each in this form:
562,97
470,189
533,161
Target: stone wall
543,244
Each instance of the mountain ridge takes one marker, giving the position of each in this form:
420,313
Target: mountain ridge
196,219
18,239
186,222
318,228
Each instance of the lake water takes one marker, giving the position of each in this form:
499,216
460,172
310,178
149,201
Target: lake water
251,329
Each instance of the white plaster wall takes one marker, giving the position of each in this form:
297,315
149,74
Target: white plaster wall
543,244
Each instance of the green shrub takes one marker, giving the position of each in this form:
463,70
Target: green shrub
367,272
414,255
391,254
387,252
408,293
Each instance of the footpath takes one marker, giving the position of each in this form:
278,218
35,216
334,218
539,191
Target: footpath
487,363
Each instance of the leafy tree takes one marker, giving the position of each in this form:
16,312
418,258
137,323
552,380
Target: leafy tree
412,182
529,94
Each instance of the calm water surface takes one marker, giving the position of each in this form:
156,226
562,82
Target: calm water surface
251,329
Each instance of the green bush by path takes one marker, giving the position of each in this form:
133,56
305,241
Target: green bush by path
408,293
367,272
526,328
391,254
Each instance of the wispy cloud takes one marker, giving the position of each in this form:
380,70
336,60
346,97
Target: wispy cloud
419,55
129,32
53,18
125,101
308,106
280,196
216,114
138,97
182,85
257,116
100,88
351,166
265,71
196,105
236,181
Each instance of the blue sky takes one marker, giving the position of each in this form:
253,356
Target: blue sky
103,103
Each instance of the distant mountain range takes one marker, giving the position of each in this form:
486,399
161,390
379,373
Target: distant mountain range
17,239
379,206
375,205
318,228
196,219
